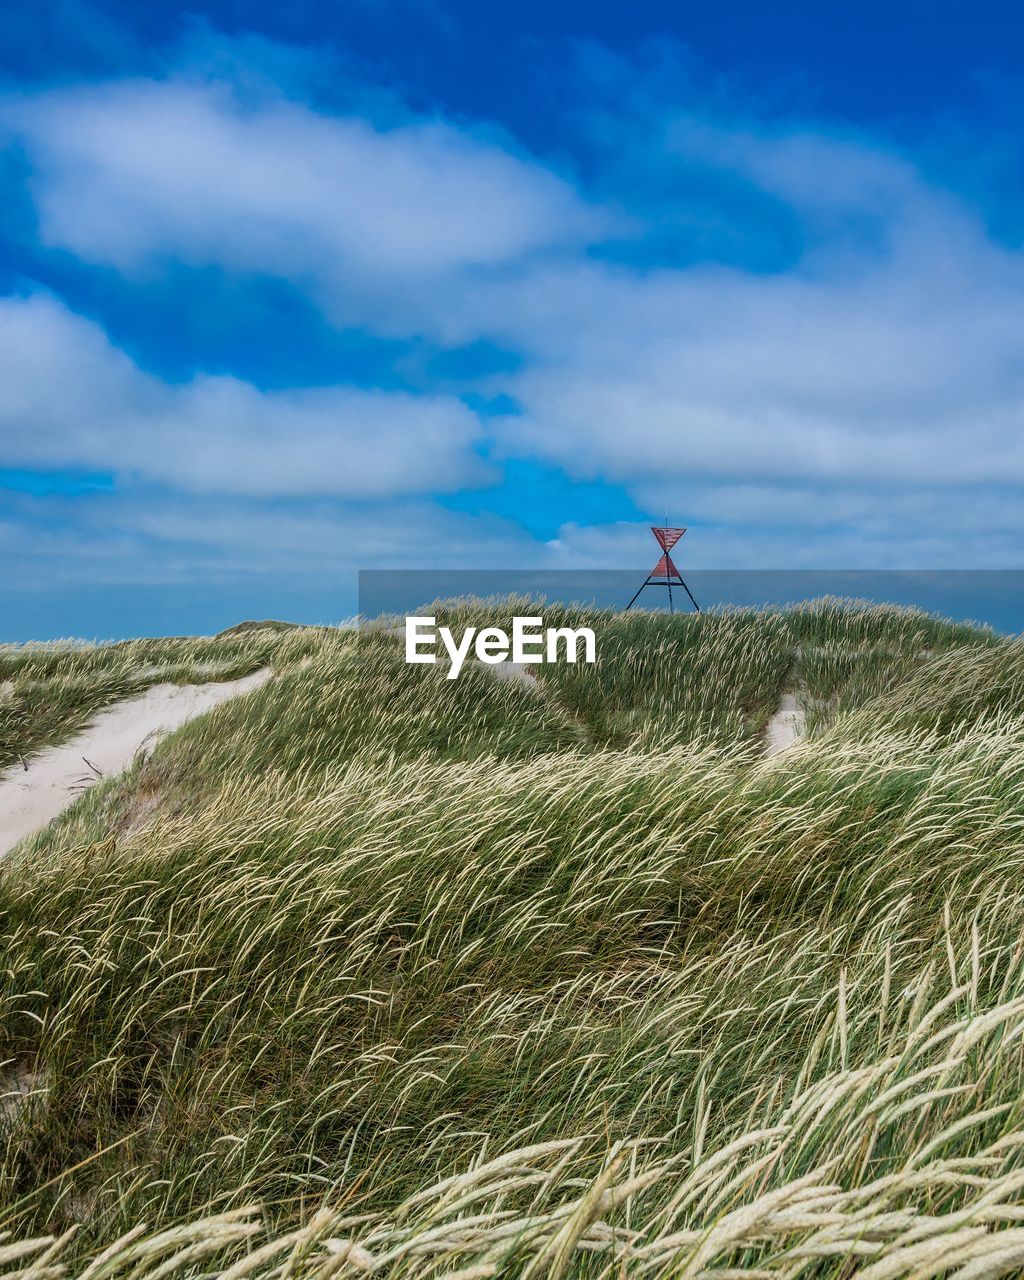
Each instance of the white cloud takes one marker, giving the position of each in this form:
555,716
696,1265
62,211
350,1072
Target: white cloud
69,398
899,370
170,539
132,174
864,541
877,379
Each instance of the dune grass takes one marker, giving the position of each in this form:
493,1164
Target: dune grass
417,977
48,691
847,656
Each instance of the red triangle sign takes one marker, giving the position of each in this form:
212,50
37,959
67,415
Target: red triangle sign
665,568
667,538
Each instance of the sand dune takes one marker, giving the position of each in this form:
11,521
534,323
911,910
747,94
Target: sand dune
786,725
33,796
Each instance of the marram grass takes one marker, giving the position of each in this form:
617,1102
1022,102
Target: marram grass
402,976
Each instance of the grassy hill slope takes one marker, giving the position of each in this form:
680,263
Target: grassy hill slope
370,970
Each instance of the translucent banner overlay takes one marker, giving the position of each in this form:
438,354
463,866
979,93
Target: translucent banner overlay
992,597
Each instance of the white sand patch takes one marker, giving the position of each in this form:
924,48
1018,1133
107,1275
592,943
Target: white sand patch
17,1088
786,725
32,797
513,671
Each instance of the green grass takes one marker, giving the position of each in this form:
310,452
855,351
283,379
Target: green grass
660,681
848,657
422,977
49,691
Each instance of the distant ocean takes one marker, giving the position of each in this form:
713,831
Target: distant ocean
991,597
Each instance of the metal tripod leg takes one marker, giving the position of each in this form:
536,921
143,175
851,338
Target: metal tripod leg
636,597
690,594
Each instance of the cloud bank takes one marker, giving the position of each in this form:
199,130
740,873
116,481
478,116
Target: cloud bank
785,330
69,398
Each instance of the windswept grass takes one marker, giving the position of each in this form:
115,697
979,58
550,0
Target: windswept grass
661,680
849,654
417,977
48,691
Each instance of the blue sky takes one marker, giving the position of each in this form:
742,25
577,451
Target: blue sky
290,291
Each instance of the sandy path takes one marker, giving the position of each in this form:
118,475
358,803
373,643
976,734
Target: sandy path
513,671
32,797
786,725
